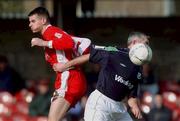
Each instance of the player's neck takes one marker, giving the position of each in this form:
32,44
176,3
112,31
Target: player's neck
44,28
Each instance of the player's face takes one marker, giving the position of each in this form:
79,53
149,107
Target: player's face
35,23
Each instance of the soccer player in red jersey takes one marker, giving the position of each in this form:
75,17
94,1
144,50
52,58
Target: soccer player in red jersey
60,47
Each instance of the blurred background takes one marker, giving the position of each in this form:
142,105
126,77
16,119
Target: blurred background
105,22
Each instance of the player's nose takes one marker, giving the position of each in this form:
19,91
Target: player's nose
30,25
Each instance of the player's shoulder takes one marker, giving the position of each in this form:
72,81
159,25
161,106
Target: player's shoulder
57,32
51,29
123,50
54,28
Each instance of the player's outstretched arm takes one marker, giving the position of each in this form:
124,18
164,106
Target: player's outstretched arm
133,104
77,61
38,42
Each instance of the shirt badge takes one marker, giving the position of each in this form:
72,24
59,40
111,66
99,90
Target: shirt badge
58,35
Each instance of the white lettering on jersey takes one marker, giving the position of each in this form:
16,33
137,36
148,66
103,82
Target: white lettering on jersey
121,80
139,75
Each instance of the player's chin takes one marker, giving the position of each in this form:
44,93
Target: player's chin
34,31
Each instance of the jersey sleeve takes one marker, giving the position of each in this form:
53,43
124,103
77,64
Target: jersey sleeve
60,40
81,45
98,54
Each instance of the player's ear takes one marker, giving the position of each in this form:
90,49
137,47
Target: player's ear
44,20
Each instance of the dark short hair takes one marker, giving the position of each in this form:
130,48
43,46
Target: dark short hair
40,11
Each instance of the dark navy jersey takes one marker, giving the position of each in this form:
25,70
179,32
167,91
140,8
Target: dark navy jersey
118,76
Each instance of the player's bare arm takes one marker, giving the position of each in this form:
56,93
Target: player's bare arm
38,42
133,104
77,61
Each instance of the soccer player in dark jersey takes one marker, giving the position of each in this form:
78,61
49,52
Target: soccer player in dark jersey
118,79
60,47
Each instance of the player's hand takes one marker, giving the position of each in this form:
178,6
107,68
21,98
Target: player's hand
59,67
136,111
37,42
133,104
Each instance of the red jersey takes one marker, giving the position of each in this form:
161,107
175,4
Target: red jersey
63,47
69,84
60,45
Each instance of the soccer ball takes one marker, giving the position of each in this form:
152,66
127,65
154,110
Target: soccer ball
140,54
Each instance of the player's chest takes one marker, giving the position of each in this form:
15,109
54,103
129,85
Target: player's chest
121,65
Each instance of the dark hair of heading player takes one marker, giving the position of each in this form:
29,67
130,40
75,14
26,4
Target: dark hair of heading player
41,11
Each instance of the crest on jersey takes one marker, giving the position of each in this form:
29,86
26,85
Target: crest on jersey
58,35
47,57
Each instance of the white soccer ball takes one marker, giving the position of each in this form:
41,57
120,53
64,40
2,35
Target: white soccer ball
140,54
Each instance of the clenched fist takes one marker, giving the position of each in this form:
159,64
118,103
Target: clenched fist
38,42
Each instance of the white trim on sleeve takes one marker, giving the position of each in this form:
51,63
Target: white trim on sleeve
50,44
